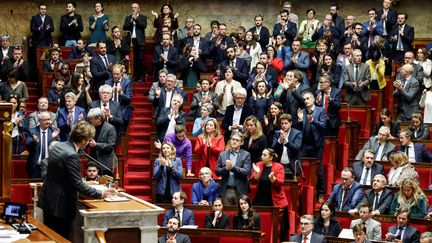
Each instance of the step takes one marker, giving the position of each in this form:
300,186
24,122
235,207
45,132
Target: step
138,162
143,112
139,144
137,188
140,134
138,153
138,175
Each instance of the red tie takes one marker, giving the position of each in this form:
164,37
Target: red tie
305,239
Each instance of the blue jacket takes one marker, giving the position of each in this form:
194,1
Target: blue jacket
355,196
198,192
160,176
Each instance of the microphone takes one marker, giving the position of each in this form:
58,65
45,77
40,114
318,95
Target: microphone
102,166
301,170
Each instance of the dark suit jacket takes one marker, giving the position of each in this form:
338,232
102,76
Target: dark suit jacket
228,119
408,99
292,100
293,147
264,35
160,176
196,99
141,25
334,106
221,223
391,19
315,238
290,31
319,34
407,38
185,68
41,37
62,115
115,111
411,235
422,133
124,100
124,48
188,217
32,167
10,53
355,196
72,32
76,53
179,237
241,171
417,73
204,46
172,62
104,150
349,80
59,194
99,71
159,103
162,121
317,125
384,201
23,70
422,154
241,72
358,169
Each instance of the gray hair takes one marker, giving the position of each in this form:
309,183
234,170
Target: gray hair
383,178
70,95
205,169
95,113
42,114
241,91
357,51
308,217
384,129
177,95
105,87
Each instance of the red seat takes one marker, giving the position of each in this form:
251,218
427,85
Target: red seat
187,188
307,196
424,176
18,169
21,193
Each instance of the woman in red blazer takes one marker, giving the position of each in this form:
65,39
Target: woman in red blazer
269,177
208,146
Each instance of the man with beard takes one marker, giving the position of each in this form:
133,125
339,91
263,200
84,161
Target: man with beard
240,66
197,41
260,32
338,21
173,236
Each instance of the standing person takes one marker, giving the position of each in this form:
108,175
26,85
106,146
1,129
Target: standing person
254,137
100,66
308,27
357,80
71,25
388,18
217,219
58,197
407,90
118,46
98,23
41,26
402,37
261,33
136,24
69,115
166,12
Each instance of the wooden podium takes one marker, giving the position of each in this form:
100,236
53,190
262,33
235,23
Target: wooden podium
135,213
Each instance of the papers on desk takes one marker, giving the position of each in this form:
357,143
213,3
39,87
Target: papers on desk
11,235
346,234
189,227
116,198
99,187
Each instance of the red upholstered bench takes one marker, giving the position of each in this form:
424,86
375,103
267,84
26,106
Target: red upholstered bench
18,169
21,193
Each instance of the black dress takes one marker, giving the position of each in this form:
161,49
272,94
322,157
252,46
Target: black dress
240,223
263,196
256,147
333,229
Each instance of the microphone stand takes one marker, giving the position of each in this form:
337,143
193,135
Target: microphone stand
295,170
102,166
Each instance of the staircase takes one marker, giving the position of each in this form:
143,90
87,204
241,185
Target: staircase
137,169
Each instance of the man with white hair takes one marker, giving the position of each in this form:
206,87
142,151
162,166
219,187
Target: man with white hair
380,144
110,108
42,107
406,91
306,234
170,116
236,114
163,95
69,115
357,80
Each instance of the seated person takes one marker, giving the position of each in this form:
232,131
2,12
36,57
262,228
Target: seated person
185,215
347,194
412,197
79,49
386,120
206,190
419,130
246,218
373,227
173,235
402,230
306,234
380,144
217,219
365,171
55,93
417,152
359,233
91,176
326,223
401,169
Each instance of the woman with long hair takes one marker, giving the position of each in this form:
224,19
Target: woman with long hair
254,138
261,99
253,48
191,66
98,23
281,47
246,218
401,169
410,196
209,145
17,119
386,120
118,46
326,223
81,88
274,60
17,87
167,172
271,121
426,63
419,130
166,12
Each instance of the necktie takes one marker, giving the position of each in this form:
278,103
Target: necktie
304,239
106,62
376,152
399,46
116,94
43,146
72,122
178,216
106,108
375,204
366,176
326,102
399,234
407,151
357,73
345,196
371,37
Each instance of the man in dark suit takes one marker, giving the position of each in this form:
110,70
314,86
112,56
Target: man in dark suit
17,64
37,144
69,115
234,166
136,24
185,215
338,21
58,196
100,66
388,18
357,80
81,48
169,116
330,99
365,171
261,33
219,44
417,73
173,226
287,143
110,108
285,27
270,70
122,93
103,144
197,41
202,98
239,110
312,122
165,56
297,59
307,235
379,197
41,26
240,66
417,152
402,37
407,90
164,95
347,194
379,144
327,26
402,230
71,25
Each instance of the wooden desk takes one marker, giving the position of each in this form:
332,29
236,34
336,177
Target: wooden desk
136,213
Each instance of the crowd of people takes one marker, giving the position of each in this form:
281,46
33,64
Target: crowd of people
272,97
